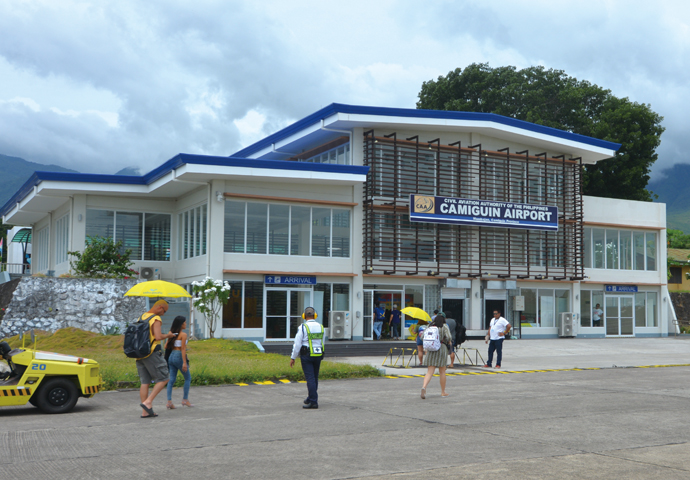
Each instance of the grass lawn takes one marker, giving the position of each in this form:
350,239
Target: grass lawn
212,362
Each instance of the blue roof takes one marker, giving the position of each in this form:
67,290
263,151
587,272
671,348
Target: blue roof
173,164
335,108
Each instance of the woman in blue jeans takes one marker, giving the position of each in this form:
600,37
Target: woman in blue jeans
177,360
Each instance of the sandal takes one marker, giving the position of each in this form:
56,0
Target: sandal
185,403
423,393
170,406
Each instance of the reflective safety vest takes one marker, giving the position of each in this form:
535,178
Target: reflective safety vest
314,350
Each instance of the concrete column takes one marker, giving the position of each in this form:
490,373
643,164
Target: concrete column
476,305
357,152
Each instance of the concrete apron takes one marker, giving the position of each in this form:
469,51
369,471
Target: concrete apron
561,353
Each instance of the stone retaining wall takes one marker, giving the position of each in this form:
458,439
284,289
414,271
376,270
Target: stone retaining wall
681,304
54,303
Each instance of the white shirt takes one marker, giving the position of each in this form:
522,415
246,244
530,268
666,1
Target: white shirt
596,313
302,339
498,326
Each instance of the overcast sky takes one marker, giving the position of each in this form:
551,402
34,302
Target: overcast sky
98,86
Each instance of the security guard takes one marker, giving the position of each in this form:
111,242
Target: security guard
309,345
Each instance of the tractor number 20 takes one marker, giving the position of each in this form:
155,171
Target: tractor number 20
38,366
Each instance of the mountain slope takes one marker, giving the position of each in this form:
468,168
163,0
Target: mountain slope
674,190
15,171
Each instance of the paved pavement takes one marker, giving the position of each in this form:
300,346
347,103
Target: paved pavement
607,423
563,353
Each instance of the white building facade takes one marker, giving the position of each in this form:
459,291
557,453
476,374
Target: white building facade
318,214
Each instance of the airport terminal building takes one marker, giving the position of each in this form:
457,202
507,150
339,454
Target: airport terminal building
354,206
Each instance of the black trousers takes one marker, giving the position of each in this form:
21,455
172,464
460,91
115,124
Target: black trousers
310,367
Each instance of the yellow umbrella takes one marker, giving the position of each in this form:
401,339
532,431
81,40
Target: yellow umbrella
157,288
417,313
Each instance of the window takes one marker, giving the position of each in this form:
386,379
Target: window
277,229
330,296
337,156
619,249
585,308
245,307
543,305
147,235
192,232
676,275
40,254
61,239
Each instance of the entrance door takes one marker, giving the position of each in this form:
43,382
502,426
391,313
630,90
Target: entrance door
454,309
489,307
368,314
387,300
619,316
284,308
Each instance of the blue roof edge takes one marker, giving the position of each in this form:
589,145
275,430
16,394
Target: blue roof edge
173,164
334,108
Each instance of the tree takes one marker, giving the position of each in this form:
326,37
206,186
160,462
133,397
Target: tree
677,239
5,241
211,295
103,258
554,99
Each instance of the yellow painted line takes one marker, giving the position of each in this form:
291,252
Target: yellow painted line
301,381
391,376
268,382
282,380
406,376
242,384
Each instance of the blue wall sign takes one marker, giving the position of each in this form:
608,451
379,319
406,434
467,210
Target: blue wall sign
622,288
288,280
465,211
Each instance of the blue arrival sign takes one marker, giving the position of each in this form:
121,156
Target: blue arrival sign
622,288
288,280
466,211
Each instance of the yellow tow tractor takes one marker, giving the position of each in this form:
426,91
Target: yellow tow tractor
53,382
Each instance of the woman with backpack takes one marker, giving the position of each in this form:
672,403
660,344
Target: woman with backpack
437,341
176,354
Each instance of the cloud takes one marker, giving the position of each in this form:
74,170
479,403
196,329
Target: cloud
97,86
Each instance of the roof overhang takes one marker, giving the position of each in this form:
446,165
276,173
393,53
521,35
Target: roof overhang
46,191
317,128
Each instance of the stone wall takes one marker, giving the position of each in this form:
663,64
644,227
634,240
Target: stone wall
54,303
681,304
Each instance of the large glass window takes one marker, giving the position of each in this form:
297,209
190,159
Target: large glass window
279,229
286,229
598,242
530,313
587,248
546,308
652,320
257,219
245,308
40,252
192,226
300,222
61,239
612,249
321,232
147,235
638,245
651,250
619,249
157,237
626,255
234,226
330,296
562,302
640,309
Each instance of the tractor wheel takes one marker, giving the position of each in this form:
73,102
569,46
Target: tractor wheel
57,395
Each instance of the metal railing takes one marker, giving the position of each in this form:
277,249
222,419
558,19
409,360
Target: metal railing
16,268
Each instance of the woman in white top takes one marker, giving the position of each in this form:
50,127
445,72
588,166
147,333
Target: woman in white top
176,351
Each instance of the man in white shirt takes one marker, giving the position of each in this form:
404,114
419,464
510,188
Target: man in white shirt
309,346
498,329
596,315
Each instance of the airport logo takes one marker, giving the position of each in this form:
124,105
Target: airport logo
424,204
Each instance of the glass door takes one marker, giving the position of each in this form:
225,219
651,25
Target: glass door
388,299
620,316
368,314
284,308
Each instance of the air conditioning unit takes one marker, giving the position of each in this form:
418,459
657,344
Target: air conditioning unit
340,327
566,325
149,273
